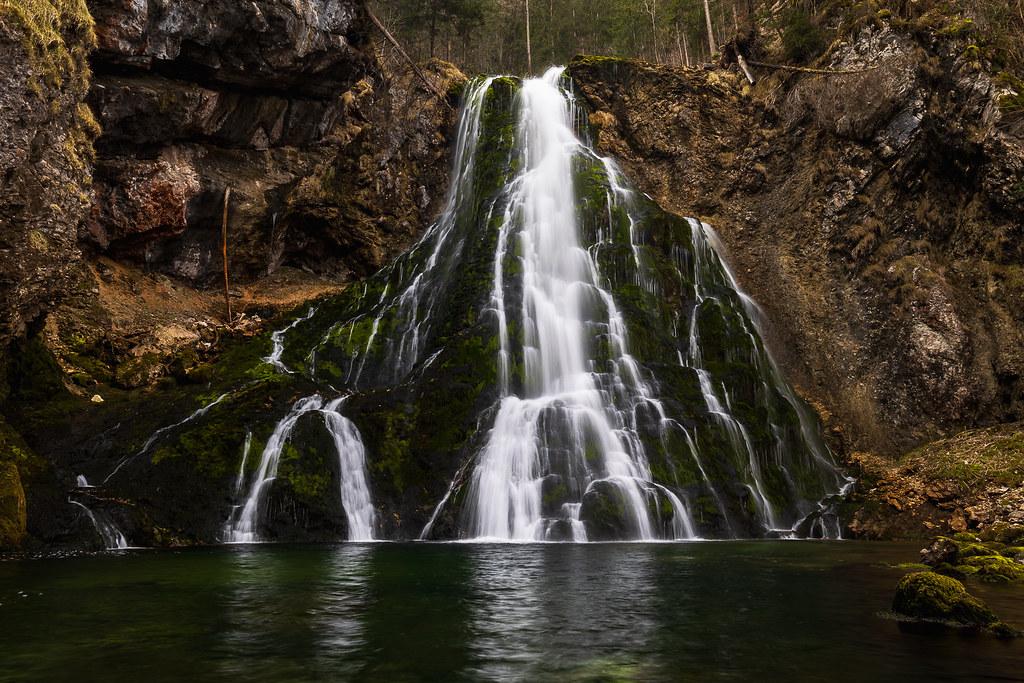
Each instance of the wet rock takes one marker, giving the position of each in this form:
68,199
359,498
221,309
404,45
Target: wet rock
942,550
992,568
605,513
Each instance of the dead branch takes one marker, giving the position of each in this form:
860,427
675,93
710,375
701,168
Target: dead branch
391,39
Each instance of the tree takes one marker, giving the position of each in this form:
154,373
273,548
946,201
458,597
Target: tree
711,31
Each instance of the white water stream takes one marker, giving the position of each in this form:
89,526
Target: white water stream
563,300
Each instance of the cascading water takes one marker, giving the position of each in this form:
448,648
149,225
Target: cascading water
355,491
112,537
556,359
562,395
244,524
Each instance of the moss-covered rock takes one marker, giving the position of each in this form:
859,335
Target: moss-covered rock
931,597
12,507
46,156
992,568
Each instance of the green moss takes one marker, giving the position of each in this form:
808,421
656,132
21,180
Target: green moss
58,36
12,507
930,596
915,566
392,453
958,27
33,374
992,568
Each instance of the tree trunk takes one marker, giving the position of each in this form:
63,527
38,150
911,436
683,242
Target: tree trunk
433,32
529,51
654,31
711,31
391,39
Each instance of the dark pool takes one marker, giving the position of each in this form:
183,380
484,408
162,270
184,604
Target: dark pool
769,610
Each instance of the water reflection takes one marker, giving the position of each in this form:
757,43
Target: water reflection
462,612
548,611
294,612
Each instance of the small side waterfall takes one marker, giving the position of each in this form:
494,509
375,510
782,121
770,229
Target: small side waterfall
277,342
243,526
112,537
164,430
355,490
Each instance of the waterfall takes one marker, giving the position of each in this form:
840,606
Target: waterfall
355,490
561,396
413,284
243,526
709,265
112,537
570,361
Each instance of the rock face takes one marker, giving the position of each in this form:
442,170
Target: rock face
198,97
46,154
280,102
333,166
12,506
883,239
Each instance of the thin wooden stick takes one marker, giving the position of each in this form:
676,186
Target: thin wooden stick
224,243
391,39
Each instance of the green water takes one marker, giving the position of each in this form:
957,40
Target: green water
407,612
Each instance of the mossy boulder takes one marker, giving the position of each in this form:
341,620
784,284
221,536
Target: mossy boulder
964,555
12,507
931,597
1004,532
992,568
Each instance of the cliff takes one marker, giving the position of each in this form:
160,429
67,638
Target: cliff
874,215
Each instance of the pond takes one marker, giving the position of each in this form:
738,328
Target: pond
758,610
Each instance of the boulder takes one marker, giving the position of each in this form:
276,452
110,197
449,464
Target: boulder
931,597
